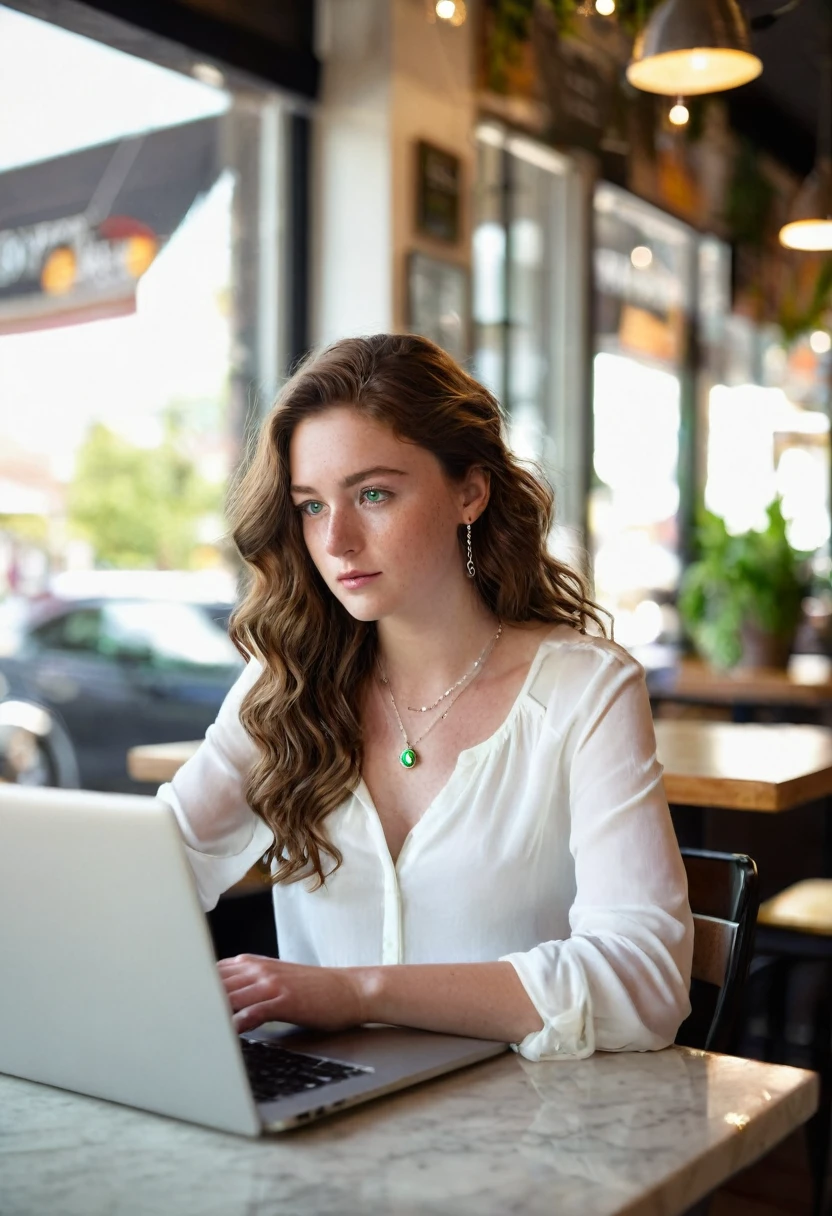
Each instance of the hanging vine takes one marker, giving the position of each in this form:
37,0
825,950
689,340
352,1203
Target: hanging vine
510,25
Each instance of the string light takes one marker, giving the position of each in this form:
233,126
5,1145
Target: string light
452,11
679,113
605,8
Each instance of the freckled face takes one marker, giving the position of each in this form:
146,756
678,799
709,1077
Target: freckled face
377,508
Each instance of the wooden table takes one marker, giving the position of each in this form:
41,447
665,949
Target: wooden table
713,767
746,768
806,683
624,1134
157,762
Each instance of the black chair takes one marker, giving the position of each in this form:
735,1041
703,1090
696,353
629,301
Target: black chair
724,898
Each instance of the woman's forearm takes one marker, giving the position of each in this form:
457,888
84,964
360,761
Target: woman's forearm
484,1000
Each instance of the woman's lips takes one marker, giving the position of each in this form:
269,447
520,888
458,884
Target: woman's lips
360,580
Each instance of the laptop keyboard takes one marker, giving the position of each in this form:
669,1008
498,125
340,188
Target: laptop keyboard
275,1072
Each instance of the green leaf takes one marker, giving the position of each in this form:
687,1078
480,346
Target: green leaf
755,577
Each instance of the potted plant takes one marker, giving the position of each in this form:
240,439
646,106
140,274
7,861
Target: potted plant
742,600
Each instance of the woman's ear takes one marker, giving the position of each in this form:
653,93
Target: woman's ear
476,489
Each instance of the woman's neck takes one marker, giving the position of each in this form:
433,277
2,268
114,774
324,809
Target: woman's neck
423,655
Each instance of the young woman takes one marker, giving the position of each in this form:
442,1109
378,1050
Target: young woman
455,782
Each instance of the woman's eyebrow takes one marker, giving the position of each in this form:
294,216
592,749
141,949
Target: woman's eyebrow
354,478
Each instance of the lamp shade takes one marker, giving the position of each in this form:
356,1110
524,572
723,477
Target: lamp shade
690,47
810,219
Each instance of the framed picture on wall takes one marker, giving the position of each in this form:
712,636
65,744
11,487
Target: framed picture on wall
438,175
437,302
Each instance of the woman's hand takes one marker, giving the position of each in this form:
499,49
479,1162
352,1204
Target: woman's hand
484,1000
264,989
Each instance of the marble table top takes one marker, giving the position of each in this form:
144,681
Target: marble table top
636,1134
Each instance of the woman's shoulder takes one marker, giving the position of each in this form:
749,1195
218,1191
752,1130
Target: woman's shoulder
570,662
565,640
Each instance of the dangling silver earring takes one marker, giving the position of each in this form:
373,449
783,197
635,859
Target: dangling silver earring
469,566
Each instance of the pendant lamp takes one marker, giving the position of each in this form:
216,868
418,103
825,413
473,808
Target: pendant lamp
810,225
810,220
692,47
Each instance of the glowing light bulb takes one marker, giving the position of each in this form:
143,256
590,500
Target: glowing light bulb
820,342
641,257
679,114
605,8
452,11
814,236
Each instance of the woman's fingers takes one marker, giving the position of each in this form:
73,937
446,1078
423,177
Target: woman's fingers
246,971
262,989
244,979
255,1015
243,962
250,994
252,990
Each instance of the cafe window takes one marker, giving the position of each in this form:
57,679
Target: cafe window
144,298
644,276
529,247
772,397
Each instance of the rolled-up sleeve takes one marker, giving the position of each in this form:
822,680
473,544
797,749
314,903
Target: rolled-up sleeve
223,836
620,982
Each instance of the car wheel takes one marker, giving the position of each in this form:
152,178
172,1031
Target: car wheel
35,748
23,758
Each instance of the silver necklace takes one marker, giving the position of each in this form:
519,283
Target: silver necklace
409,757
424,709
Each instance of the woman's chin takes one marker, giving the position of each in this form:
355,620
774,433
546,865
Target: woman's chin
363,615
362,607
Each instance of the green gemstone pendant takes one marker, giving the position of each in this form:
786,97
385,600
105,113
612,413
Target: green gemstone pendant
408,757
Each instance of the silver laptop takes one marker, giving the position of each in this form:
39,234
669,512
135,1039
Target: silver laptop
110,987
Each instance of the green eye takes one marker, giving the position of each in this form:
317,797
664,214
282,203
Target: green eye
374,495
313,508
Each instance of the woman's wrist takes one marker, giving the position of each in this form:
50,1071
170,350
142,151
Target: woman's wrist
367,984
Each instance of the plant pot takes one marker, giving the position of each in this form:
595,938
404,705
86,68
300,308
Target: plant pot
760,648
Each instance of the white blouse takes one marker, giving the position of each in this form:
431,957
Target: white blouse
550,846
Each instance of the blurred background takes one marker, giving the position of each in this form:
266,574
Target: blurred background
192,195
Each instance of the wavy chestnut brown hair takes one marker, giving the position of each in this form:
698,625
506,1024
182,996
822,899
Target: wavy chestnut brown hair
302,713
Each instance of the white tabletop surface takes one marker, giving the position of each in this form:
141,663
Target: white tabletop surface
642,1134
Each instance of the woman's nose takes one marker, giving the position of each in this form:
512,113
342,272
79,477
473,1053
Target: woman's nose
342,535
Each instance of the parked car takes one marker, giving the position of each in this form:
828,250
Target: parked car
102,664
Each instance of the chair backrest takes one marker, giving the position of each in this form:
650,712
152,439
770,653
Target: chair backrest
724,898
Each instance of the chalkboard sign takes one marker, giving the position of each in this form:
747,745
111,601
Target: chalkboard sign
438,187
579,86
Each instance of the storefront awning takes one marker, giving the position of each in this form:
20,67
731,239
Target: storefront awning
77,232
